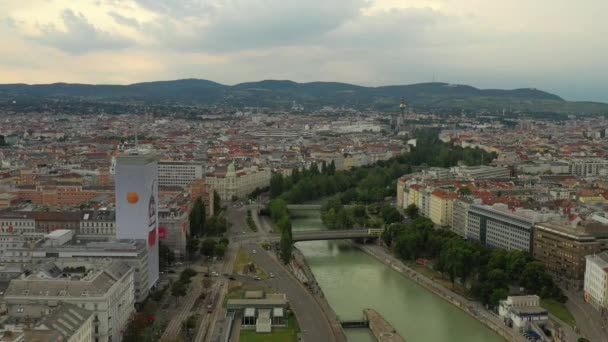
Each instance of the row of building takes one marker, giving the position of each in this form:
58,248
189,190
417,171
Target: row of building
555,224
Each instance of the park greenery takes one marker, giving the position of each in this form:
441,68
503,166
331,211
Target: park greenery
372,183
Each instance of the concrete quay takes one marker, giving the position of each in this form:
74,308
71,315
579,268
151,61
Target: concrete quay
383,331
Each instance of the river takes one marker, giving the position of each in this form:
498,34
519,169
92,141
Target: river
352,281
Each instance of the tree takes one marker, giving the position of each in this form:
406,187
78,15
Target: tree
331,169
166,256
464,191
217,203
497,295
219,250
286,246
178,289
191,245
197,218
207,247
324,167
390,215
533,277
412,211
276,184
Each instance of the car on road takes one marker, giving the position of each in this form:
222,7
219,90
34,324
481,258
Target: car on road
214,274
271,275
171,271
257,278
232,278
254,251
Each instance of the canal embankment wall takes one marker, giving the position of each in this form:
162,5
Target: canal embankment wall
299,267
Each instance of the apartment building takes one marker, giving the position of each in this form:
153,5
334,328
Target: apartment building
17,222
460,215
107,291
499,228
596,280
586,167
441,207
563,250
179,173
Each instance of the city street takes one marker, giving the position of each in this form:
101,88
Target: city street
587,318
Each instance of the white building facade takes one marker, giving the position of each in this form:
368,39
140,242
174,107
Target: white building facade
596,280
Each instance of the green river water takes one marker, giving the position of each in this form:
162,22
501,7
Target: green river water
352,281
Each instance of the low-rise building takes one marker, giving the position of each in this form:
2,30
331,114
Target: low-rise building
521,311
596,280
98,223
173,228
63,322
481,172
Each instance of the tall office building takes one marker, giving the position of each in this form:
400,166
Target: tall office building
136,185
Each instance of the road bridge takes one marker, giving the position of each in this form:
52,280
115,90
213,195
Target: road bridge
303,207
317,235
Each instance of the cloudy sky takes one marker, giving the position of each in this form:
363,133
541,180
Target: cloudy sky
555,45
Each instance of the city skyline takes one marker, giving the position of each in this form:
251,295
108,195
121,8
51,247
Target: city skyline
547,45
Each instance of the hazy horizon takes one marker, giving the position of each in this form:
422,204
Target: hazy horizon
552,45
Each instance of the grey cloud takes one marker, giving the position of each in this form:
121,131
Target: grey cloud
179,8
253,24
122,20
80,37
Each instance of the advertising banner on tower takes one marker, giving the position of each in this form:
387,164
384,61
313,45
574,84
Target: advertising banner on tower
136,184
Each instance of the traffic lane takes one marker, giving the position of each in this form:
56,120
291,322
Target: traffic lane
313,323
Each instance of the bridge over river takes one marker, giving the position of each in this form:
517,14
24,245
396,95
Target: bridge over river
316,235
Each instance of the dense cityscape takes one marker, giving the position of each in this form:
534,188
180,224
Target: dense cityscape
504,218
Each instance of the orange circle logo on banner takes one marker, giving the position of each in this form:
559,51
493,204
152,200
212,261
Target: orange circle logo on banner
132,197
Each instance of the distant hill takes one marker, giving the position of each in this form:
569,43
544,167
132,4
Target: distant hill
282,93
